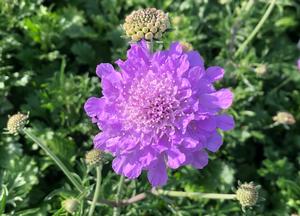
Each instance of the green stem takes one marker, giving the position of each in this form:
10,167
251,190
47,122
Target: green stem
281,84
118,196
97,190
194,194
256,29
59,163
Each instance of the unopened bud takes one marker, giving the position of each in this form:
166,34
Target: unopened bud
261,69
16,123
247,194
144,21
94,157
70,205
284,118
186,46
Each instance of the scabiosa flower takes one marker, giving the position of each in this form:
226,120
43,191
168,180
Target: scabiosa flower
161,110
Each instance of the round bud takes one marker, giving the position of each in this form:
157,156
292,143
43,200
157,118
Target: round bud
153,29
247,194
16,123
149,36
284,118
135,37
261,69
144,21
70,205
186,46
145,29
140,34
94,157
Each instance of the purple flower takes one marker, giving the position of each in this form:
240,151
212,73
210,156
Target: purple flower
298,64
161,110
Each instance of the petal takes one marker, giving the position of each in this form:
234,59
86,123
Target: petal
225,122
175,50
129,168
175,158
195,59
199,159
157,173
107,71
195,74
111,80
94,106
214,142
213,101
214,73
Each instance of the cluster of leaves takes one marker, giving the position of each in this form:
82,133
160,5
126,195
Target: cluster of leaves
48,53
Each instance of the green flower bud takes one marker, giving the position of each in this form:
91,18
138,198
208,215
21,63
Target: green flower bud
135,37
145,21
94,157
261,69
247,194
70,205
149,36
145,30
140,34
186,46
153,29
16,123
284,118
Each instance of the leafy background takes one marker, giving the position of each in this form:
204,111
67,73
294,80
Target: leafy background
48,54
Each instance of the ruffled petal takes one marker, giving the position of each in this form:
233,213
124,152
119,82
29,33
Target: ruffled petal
157,173
111,80
214,73
94,106
129,168
199,159
195,59
214,142
225,122
175,158
214,101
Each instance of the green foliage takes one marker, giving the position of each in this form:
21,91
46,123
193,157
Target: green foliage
48,54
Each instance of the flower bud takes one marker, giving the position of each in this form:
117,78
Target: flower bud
284,118
186,46
149,36
16,123
247,194
94,157
261,69
70,205
146,21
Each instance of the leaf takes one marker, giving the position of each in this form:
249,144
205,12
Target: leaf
3,196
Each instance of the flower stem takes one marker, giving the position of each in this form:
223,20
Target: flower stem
97,190
256,29
59,163
118,196
194,194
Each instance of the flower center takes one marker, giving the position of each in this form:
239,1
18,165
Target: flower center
151,103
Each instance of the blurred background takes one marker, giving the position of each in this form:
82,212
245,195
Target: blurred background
48,54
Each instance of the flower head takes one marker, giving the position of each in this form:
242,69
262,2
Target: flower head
161,110
147,24
16,123
298,64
